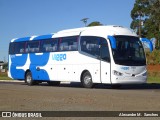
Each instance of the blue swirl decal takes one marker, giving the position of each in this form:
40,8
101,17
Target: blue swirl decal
39,60
18,61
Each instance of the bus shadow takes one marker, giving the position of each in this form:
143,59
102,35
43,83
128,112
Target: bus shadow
147,86
123,87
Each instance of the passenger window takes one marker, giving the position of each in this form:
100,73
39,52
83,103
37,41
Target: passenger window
11,48
17,48
32,47
69,44
90,45
49,45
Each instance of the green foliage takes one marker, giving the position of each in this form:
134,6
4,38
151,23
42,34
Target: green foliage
153,79
153,58
95,23
147,11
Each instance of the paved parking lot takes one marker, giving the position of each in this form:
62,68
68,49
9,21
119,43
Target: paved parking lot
17,96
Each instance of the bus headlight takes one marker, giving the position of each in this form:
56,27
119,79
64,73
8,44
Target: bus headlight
117,73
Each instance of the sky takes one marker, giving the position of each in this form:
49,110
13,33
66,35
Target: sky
22,18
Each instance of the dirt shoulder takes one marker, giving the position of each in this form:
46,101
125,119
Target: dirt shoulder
153,68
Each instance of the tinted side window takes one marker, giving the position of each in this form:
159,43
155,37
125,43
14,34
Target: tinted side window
17,48
11,48
68,44
90,45
50,45
32,46
105,56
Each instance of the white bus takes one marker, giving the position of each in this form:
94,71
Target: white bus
90,55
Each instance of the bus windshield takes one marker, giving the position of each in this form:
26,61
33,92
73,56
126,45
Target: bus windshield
129,51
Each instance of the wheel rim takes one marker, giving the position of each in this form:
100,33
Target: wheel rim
29,79
87,80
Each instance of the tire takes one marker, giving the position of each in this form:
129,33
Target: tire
87,80
53,83
29,80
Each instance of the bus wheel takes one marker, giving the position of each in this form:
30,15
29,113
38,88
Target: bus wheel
53,83
87,80
29,79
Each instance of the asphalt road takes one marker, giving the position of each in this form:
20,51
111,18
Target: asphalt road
17,96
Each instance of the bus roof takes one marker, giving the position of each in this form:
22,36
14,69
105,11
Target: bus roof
32,38
102,31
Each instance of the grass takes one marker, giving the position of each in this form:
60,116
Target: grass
152,78
3,76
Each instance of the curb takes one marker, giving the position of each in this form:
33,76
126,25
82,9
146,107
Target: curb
11,81
23,81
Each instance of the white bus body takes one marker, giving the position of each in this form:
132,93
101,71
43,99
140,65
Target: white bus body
101,54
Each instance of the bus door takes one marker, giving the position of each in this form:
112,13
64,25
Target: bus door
105,62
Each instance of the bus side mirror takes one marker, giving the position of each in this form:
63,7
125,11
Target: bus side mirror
112,41
147,41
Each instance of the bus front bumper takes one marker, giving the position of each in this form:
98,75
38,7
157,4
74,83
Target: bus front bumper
129,80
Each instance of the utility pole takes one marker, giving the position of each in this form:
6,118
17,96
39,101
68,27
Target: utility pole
84,20
4,59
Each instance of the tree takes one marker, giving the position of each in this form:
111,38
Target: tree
139,14
95,23
154,21
146,17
